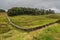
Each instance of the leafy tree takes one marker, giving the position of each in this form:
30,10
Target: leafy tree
28,11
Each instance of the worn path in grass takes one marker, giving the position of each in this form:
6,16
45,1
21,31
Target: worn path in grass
51,32
33,28
29,21
30,29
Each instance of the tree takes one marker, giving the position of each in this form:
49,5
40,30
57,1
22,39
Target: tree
28,11
1,10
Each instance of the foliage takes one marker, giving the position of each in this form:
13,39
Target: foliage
28,11
1,10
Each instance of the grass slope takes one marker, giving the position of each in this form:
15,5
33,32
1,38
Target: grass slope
4,26
49,33
29,21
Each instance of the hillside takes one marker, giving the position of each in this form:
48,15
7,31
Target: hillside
29,21
7,32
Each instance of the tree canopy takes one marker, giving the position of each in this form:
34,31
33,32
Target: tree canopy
28,11
1,10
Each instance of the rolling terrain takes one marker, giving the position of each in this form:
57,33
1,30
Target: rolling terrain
7,32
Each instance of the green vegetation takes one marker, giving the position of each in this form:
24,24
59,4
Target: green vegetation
51,32
29,21
1,10
4,27
54,16
28,11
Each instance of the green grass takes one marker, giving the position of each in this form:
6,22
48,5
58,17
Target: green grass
54,16
29,21
4,26
51,32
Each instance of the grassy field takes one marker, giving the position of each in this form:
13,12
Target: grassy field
4,26
29,21
7,32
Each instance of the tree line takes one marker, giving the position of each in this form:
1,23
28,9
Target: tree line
28,11
2,10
